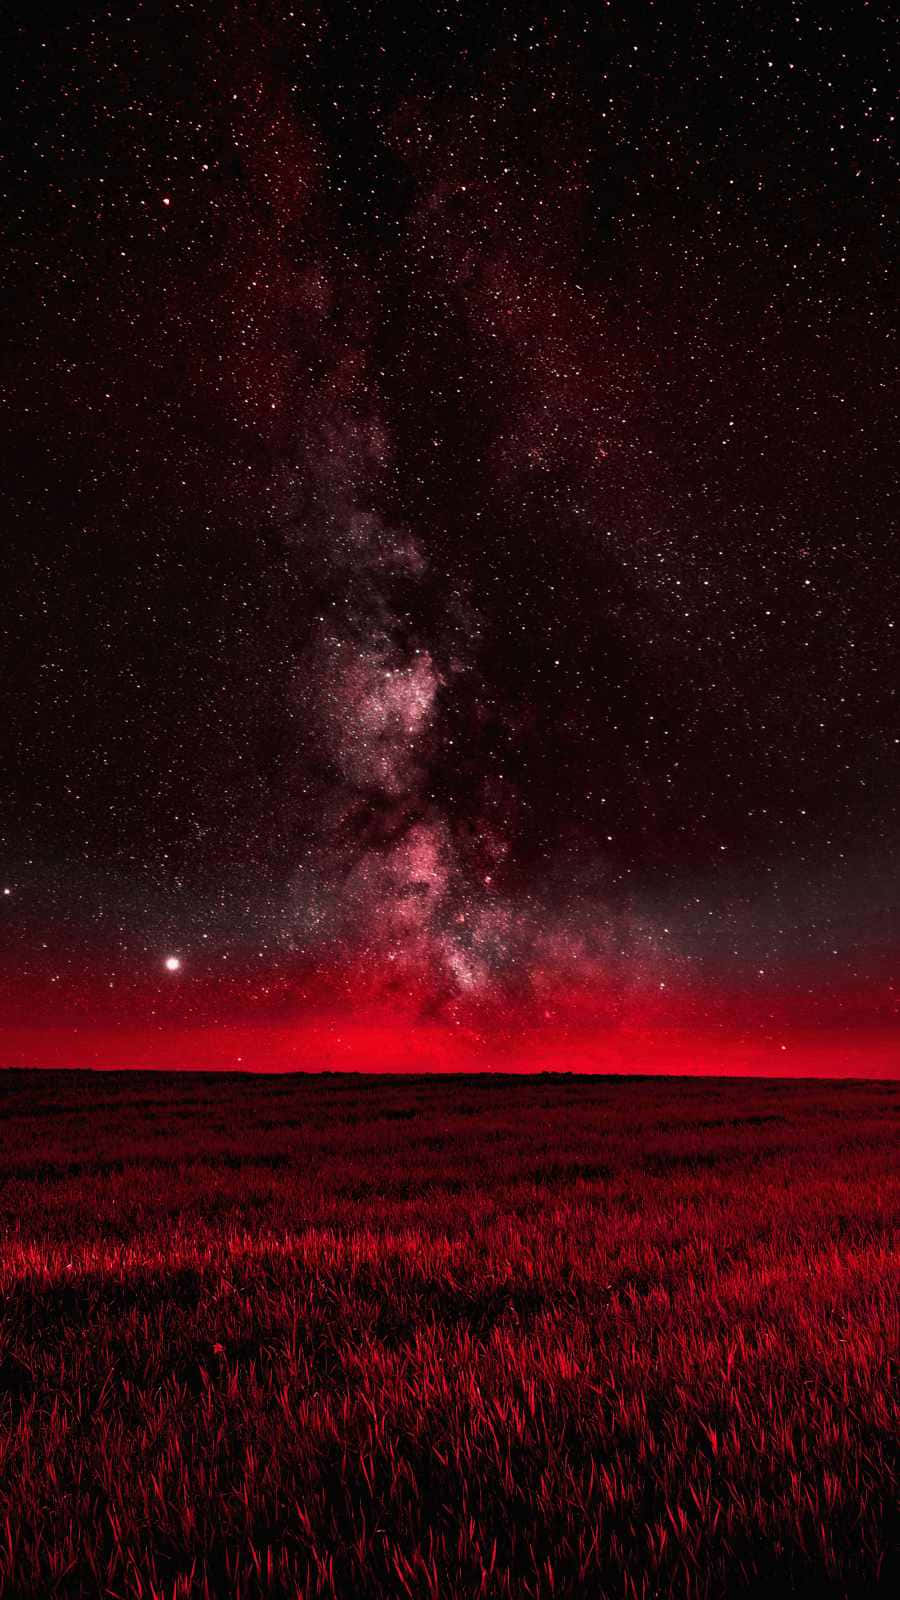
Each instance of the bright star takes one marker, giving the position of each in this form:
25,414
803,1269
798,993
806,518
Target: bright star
172,964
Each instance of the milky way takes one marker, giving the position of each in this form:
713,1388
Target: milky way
451,580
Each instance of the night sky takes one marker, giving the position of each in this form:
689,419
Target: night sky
450,607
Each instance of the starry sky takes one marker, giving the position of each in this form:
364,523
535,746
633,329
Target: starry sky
451,601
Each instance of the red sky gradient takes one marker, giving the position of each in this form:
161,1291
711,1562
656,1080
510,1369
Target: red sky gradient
342,1020
377,1046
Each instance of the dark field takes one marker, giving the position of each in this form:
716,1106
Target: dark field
447,1337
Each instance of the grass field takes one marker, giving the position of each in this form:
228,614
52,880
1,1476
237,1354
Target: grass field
447,1338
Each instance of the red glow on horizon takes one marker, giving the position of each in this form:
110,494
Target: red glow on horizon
377,1045
359,1017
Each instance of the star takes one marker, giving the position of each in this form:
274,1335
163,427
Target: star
172,963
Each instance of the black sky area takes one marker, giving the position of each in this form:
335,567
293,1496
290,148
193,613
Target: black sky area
523,376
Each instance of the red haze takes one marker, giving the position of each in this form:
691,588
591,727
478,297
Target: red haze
354,1019
362,1044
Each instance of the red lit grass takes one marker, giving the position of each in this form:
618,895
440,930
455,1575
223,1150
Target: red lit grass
446,1338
